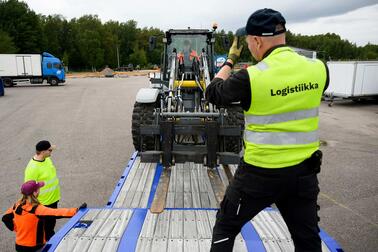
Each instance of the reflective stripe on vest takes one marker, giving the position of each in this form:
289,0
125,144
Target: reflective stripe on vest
262,66
48,182
281,138
42,192
284,117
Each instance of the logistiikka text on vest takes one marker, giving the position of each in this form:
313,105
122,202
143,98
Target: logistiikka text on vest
298,88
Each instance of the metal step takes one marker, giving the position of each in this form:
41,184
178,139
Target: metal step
21,81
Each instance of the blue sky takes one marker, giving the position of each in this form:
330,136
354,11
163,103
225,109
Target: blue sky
351,19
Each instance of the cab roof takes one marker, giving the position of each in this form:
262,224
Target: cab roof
188,31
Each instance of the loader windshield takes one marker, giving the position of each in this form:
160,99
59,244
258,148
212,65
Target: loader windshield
188,43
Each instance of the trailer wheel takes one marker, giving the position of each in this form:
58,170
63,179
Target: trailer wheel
235,117
8,83
54,82
142,115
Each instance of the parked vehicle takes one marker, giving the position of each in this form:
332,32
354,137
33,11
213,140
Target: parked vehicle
354,80
1,88
128,68
31,68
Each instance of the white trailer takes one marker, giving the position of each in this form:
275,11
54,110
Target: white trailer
352,79
20,65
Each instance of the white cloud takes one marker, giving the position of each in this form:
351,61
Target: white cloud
359,26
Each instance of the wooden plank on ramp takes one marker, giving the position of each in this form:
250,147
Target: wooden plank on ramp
158,204
216,184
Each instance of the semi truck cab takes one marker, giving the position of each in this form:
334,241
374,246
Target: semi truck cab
52,69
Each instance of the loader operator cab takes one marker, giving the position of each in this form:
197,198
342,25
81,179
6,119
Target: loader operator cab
189,47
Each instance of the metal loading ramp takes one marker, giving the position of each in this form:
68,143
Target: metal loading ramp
192,198
190,187
180,230
137,188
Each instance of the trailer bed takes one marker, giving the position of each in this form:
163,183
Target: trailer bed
127,224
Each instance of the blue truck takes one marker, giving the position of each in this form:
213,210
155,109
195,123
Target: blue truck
31,68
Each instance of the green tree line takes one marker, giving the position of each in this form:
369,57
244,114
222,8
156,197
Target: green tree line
88,43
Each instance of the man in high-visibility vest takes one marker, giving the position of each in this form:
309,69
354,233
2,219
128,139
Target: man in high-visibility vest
280,96
41,168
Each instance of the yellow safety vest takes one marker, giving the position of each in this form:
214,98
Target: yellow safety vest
282,121
44,171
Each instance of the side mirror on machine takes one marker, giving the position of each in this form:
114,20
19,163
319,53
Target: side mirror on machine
226,42
152,43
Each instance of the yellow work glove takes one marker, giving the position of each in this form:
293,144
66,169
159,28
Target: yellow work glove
234,52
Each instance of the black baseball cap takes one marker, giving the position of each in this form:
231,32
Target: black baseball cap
263,23
43,145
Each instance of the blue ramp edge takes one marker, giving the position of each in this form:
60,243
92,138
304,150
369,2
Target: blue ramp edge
53,243
191,208
331,243
155,182
130,237
121,181
252,238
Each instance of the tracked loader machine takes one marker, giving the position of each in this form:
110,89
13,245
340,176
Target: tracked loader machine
172,122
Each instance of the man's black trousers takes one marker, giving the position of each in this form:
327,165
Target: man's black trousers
50,223
294,190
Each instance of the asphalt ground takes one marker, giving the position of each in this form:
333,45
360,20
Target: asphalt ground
89,120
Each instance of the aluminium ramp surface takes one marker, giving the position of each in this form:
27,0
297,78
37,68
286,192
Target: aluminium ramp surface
140,230
126,223
136,190
173,230
98,230
180,230
190,187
